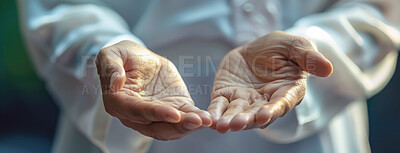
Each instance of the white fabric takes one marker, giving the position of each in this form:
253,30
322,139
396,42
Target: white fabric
360,37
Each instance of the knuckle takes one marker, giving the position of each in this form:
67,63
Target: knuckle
109,69
105,61
285,106
100,58
299,43
126,42
268,114
278,33
103,54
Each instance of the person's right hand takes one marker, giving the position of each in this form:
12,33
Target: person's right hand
146,93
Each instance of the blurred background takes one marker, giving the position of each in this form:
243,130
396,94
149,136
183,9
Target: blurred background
28,115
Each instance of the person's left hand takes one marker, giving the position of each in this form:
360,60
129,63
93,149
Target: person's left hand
263,80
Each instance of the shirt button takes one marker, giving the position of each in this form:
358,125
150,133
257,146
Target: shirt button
248,7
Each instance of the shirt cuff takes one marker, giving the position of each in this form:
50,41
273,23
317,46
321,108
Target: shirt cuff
123,37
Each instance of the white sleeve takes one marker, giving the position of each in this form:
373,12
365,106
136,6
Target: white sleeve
361,40
63,38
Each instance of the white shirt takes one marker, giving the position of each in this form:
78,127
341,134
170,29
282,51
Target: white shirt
360,37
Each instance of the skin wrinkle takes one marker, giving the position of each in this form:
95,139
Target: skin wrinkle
285,71
249,80
117,54
275,76
223,93
165,87
156,81
155,73
235,90
179,107
235,74
286,106
224,79
112,110
238,104
152,84
162,81
297,45
133,113
252,83
162,90
276,70
238,87
139,62
109,69
182,106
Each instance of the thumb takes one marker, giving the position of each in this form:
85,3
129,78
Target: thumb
110,69
304,54
117,80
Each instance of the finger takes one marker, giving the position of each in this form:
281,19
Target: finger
235,107
246,120
217,108
204,115
282,101
138,111
160,130
190,121
266,114
168,131
304,54
110,69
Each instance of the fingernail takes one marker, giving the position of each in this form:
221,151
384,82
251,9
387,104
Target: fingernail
190,125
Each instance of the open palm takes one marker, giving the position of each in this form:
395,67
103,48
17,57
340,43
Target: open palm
263,80
146,92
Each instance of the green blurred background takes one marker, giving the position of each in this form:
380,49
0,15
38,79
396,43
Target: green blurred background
28,115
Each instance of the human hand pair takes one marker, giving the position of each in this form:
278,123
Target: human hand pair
254,85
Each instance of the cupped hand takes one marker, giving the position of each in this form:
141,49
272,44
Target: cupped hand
263,80
146,93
